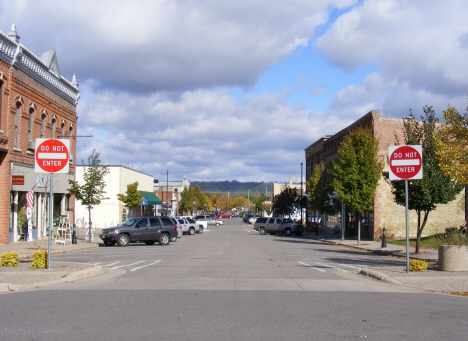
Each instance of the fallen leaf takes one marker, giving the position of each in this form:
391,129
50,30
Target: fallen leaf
335,304
180,319
363,320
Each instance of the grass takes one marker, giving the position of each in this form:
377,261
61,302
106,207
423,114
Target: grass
433,242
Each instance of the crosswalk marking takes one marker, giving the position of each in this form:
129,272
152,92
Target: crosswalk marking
349,266
121,266
310,266
329,266
134,269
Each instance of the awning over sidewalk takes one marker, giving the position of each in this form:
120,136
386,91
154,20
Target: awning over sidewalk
149,199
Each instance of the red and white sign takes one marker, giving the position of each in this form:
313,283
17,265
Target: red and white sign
405,162
52,155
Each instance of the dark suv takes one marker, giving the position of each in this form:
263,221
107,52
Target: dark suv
145,229
280,225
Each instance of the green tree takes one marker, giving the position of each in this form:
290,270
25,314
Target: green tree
132,198
259,202
357,171
320,189
287,201
91,193
435,187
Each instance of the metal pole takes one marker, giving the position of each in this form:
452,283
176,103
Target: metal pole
407,228
167,190
342,220
300,202
51,231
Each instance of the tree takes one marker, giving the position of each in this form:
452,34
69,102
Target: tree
133,197
435,187
259,202
287,201
357,172
91,193
320,190
452,145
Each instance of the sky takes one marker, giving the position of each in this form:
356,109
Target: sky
219,90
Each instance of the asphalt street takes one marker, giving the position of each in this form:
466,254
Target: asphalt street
230,283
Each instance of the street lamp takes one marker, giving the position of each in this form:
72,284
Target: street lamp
167,191
300,202
194,210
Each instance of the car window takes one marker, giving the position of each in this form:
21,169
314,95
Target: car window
181,221
279,221
287,221
129,222
154,222
191,221
142,222
166,221
271,221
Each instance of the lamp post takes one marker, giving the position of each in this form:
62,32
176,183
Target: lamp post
167,190
194,210
300,202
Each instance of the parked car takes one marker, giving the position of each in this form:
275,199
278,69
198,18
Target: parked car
179,228
208,219
140,229
278,225
190,226
253,219
225,215
246,217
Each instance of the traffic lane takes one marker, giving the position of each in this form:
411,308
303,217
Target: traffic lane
231,315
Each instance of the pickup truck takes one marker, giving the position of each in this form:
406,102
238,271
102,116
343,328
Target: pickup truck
208,220
278,225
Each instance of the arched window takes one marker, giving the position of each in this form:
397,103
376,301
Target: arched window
54,121
43,117
30,124
62,129
17,125
1,96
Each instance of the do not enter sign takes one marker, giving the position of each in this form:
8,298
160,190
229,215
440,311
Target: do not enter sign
405,162
52,155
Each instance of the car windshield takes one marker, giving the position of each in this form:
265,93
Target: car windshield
129,222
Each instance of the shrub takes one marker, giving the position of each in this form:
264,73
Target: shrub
418,265
10,258
39,260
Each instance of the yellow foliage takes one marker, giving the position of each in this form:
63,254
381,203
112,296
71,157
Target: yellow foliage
9,258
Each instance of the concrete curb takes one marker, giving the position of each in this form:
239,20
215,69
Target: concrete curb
62,252
380,276
73,276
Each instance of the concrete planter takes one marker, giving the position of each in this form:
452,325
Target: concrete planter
453,258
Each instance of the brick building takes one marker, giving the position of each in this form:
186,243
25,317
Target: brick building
386,212
35,101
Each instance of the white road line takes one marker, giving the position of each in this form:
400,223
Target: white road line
112,264
349,266
121,266
310,266
145,265
329,266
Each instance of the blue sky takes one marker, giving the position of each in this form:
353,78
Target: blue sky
218,90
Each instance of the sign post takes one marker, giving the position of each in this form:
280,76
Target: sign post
51,157
405,163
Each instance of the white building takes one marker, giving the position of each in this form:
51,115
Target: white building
112,211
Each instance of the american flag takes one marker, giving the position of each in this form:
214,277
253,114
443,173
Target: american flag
30,198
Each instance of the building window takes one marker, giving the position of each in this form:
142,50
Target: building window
43,117
17,123
52,133
1,96
61,130
30,124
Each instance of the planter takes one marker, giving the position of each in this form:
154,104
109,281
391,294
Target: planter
453,258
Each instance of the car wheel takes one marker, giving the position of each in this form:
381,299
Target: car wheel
150,242
200,230
123,240
288,232
173,239
191,231
217,224
164,239
262,230
108,243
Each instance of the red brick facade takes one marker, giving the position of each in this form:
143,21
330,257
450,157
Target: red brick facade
25,94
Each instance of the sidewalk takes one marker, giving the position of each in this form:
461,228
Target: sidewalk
23,277
431,280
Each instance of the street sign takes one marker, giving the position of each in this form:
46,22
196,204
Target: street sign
405,162
52,155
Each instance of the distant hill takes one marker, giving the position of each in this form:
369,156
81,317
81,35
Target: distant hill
234,187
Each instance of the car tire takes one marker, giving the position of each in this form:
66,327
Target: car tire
173,239
164,239
200,230
150,242
123,240
217,224
108,243
288,232
191,231
262,230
